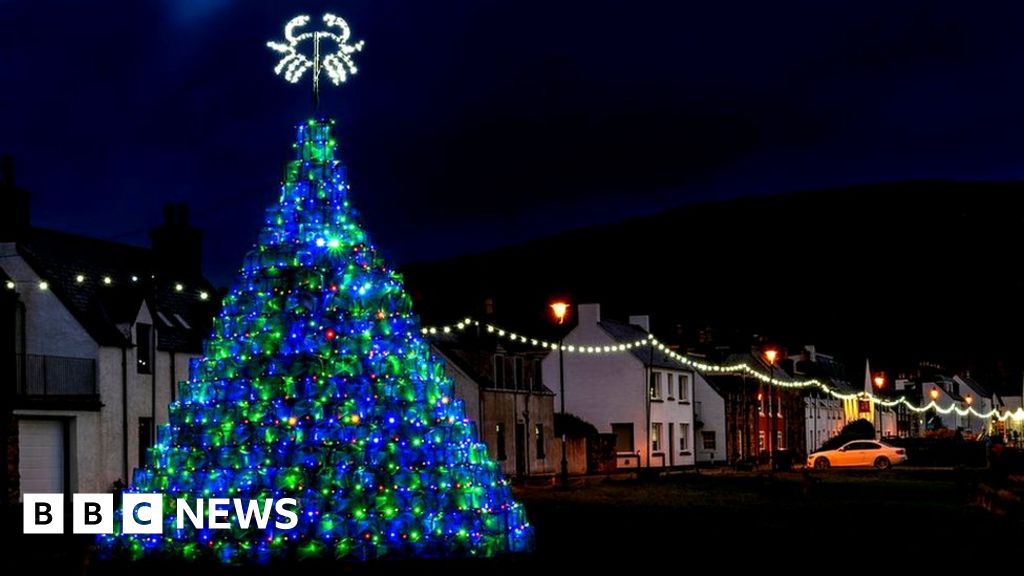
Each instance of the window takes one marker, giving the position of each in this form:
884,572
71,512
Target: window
670,381
539,431
655,385
710,442
500,432
499,371
655,436
182,320
145,439
863,446
623,437
517,366
778,440
538,371
684,437
144,348
684,387
760,439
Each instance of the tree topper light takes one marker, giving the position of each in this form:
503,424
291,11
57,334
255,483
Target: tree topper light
338,64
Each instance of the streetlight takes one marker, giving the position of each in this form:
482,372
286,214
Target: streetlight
969,400
934,394
771,354
560,309
879,384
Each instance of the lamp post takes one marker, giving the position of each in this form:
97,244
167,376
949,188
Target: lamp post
560,309
969,400
934,394
770,355
879,381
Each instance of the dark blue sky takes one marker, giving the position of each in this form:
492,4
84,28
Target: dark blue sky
473,124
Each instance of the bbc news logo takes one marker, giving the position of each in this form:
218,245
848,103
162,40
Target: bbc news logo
144,513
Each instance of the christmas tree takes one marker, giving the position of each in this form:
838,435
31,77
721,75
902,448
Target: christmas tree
316,385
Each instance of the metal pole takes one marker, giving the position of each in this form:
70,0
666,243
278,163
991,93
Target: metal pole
561,398
771,414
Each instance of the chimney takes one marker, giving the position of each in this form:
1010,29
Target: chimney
641,321
15,217
812,352
588,314
177,246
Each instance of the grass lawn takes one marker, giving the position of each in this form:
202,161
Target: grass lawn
837,520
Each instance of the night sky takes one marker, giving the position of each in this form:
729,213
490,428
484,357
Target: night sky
476,124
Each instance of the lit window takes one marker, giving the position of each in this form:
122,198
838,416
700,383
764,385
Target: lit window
655,385
656,437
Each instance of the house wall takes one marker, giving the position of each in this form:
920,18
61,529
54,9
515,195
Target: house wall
709,410
96,445
507,408
612,388
601,388
825,416
488,408
464,388
49,328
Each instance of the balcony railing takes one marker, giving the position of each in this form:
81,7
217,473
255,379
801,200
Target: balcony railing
54,376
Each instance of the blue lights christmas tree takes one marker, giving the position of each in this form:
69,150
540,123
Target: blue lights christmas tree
316,385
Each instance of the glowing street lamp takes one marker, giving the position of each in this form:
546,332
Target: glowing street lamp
771,354
560,309
969,400
934,393
879,382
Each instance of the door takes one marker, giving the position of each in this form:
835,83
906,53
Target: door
41,456
520,449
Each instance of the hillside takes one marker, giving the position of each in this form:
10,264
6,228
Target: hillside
901,272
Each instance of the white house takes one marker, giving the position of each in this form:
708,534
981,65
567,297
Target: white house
638,393
825,414
97,336
959,392
709,421
499,383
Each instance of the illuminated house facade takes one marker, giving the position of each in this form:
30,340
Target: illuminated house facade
95,335
636,392
502,388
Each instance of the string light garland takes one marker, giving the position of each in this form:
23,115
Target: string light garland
316,384
106,281
708,368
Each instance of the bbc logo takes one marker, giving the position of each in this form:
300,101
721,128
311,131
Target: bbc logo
93,514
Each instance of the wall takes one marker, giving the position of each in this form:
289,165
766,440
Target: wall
601,388
49,328
712,415
825,416
508,408
609,388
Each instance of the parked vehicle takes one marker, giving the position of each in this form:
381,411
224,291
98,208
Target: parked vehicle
858,453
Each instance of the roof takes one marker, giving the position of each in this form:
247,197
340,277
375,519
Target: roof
75,267
627,333
757,362
976,386
473,355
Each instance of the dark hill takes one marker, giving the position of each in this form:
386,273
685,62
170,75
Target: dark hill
901,272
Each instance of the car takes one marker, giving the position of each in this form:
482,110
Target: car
858,453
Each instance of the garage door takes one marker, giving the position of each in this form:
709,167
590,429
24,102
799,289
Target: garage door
41,456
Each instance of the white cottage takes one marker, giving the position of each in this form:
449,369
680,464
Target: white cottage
641,395
96,337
